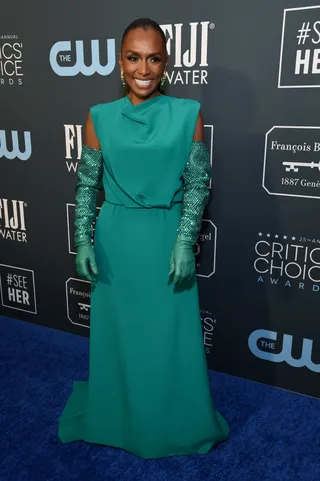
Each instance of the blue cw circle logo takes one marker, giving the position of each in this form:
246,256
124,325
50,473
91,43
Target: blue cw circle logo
16,151
60,51
261,339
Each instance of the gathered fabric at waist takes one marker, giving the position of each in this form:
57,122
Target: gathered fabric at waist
144,207
129,219
148,195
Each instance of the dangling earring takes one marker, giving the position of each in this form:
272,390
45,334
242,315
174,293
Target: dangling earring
163,80
123,82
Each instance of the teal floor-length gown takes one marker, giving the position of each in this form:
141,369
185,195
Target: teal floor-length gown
148,388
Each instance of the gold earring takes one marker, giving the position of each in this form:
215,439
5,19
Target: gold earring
163,80
123,82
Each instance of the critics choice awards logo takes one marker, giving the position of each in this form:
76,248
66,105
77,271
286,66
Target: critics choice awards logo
78,294
12,148
292,161
18,288
12,220
11,60
276,347
287,262
187,47
68,59
299,64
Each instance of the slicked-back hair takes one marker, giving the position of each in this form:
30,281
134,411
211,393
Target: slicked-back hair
145,24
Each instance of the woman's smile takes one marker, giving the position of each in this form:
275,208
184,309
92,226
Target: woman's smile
143,83
143,61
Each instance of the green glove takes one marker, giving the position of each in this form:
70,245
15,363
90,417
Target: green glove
182,261
86,265
196,179
89,172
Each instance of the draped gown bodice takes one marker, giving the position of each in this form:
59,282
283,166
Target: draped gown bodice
145,148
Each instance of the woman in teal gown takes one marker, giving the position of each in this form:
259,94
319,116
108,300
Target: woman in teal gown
148,389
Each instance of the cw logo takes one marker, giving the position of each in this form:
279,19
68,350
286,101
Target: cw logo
257,340
15,152
59,51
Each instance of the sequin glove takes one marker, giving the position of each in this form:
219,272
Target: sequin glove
196,178
87,189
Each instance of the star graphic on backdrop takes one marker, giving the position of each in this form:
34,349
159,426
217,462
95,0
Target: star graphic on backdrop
268,235
260,234
276,236
285,237
293,238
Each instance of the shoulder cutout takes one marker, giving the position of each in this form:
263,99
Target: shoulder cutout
90,137
199,129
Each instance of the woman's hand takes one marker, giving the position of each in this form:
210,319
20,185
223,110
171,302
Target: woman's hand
182,261
86,265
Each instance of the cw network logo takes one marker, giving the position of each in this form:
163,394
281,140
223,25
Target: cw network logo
15,152
67,62
262,342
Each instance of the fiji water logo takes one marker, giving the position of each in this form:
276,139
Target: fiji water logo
12,220
11,149
73,145
187,46
263,344
67,61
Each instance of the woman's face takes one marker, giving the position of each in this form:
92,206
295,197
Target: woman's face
143,61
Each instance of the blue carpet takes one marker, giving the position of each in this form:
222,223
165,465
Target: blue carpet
274,434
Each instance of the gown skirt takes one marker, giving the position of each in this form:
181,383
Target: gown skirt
148,389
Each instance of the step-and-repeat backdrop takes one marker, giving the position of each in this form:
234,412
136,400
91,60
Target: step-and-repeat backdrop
255,68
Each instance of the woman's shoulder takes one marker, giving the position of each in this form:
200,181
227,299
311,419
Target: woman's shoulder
106,106
181,101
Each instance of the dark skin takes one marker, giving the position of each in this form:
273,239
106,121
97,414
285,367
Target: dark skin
143,57
143,61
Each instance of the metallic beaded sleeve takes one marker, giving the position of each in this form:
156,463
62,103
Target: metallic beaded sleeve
89,179
196,178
